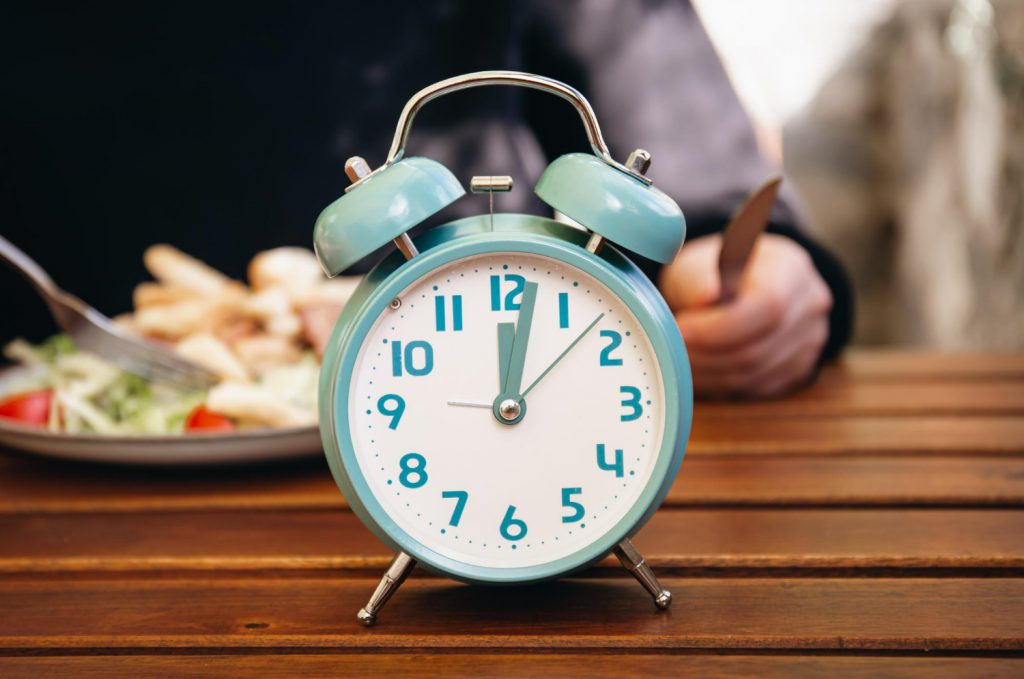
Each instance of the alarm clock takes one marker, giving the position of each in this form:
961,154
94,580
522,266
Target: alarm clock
507,398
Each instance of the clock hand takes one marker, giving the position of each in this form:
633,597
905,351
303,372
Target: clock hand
561,356
517,358
468,404
506,335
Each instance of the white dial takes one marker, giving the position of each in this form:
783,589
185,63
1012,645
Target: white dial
571,451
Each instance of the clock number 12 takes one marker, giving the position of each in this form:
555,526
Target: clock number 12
510,304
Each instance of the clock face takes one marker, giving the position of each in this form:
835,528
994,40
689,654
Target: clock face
506,410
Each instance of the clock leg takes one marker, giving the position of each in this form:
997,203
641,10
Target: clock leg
393,578
633,561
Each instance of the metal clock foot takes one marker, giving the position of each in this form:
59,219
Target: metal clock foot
633,561
393,578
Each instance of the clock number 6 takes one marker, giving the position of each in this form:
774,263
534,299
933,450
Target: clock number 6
567,502
419,470
396,412
460,503
603,463
508,523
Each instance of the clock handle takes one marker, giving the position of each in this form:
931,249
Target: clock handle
633,561
393,578
514,79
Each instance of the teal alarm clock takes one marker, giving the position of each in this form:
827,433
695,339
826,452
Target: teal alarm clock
507,398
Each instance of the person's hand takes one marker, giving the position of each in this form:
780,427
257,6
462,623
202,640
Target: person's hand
767,340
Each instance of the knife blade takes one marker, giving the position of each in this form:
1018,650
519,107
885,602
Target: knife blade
740,236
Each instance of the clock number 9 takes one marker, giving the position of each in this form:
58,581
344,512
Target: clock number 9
567,502
615,466
632,401
419,470
394,413
508,522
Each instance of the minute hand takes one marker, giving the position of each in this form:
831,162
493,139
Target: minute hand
561,355
514,374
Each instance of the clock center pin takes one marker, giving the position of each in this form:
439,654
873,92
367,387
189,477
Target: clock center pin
509,410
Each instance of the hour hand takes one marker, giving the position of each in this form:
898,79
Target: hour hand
517,359
506,335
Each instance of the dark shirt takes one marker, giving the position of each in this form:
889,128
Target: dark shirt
223,131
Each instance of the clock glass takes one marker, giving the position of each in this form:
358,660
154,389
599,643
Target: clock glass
506,410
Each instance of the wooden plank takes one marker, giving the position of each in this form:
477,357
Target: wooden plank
857,398
509,665
858,435
849,614
35,486
680,540
866,364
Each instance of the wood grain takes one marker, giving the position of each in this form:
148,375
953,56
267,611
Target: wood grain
857,435
509,665
902,365
748,613
675,540
37,486
955,398
871,525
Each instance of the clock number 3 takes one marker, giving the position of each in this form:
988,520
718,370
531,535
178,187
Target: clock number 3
632,401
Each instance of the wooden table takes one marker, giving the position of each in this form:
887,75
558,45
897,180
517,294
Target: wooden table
871,525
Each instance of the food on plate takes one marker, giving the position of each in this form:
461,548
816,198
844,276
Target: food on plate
31,407
263,340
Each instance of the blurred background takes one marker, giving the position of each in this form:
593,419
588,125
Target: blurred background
898,124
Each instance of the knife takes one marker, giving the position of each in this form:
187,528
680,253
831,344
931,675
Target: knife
741,234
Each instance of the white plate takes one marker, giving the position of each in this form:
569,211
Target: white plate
184,449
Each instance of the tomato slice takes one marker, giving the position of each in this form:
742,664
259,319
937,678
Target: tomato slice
201,419
32,407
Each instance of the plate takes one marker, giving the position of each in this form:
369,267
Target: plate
255,445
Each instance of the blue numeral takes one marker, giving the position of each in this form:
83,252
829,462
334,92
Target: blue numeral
439,313
394,413
563,310
408,359
615,339
614,466
567,502
508,522
519,284
460,503
419,470
632,401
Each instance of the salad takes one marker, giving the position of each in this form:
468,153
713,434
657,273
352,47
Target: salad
264,340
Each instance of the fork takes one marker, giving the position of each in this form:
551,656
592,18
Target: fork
92,331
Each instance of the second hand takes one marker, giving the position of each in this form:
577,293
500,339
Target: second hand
561,355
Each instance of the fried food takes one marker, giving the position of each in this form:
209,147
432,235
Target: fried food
209,352
171,266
